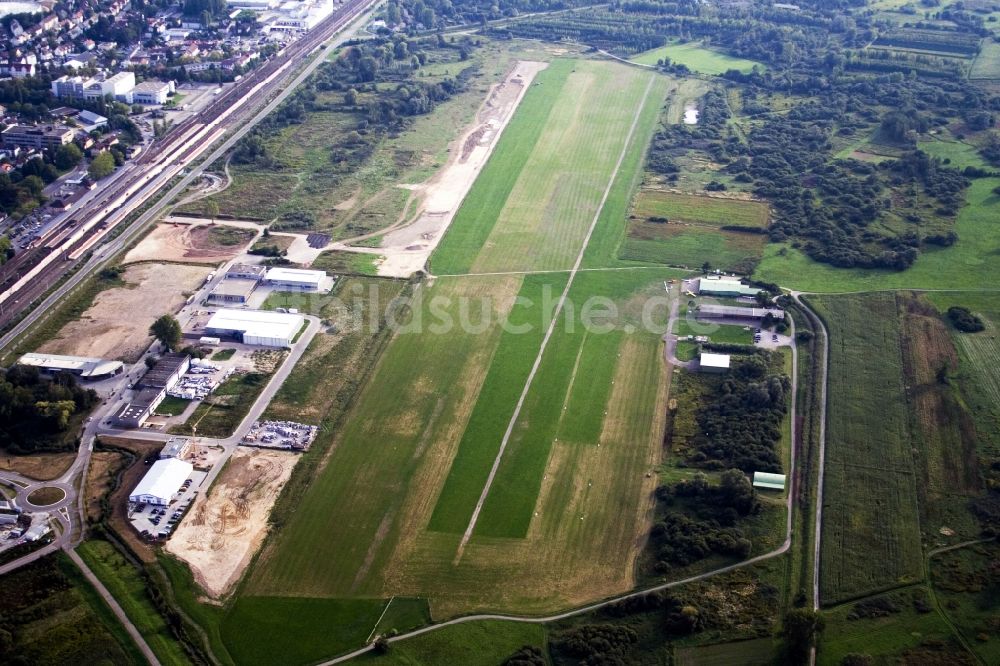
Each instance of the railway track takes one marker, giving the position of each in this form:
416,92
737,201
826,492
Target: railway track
31,273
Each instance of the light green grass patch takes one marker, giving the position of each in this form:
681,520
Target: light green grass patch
744,653
485,643
273,630
697,58
129,590
987,63
715,211
966,265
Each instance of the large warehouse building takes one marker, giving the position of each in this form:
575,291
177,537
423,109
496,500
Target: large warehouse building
255,327
720,285
735,312
81,366
161,482
296,278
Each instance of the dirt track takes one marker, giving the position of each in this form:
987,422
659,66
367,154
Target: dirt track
225,529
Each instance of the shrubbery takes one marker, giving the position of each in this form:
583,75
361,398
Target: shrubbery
36,413
963,319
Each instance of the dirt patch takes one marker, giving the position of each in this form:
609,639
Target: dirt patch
225,528
117,325
192,242
407,248
41,466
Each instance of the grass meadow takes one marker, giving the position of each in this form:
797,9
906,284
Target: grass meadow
968,597
130,591
385,514
965,265
697,58
987,63
483,643
871,528
527,211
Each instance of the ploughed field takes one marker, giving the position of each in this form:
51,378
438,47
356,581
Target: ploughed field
391,513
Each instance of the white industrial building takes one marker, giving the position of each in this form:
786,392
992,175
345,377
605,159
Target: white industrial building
718,363
256,327
81,366
118,86
152,92
161,482
296,278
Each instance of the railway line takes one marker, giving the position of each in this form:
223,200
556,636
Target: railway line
31,273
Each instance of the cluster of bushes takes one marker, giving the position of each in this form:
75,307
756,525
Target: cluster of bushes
36,413
361,74
739,422
700,520
964,320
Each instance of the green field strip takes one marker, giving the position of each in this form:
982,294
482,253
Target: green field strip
305,631
495,404
547,216
482,643
584,415
694,246
127,586
696,58
338,540
871,526
510,505
477,215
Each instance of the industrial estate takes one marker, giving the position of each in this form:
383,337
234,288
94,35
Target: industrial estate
545,332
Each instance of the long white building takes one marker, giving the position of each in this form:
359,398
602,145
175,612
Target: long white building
256,327
161,482
298,279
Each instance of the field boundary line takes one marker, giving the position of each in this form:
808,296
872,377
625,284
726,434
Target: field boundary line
375,626
658,267
552,324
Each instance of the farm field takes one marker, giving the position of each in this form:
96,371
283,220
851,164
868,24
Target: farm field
393,525
964,587
901,631
685,230
483,643
697,58
871,526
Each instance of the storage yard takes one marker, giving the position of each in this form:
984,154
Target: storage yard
286,435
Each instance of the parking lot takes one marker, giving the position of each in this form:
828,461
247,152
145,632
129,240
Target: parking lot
158,522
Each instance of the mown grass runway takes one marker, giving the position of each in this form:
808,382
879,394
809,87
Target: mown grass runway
559,526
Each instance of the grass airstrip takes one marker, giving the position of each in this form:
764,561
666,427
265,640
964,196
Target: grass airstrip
561,520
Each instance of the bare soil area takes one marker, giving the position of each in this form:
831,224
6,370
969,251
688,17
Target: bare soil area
407,248
117,325
225,528
195,241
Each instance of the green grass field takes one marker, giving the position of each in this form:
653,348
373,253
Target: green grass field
885,638
987,63
351,263
961,266
871,529
697,58
691,235
130,591
483,643
526,211
695,209
385,515
292,626
744,653
968,595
